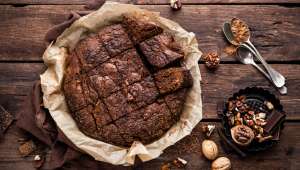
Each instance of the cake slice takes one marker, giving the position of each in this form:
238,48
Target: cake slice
115,39
161,50
91,52
172,79
130,66
175,102
140,28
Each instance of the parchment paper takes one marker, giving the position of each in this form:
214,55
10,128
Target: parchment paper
51,80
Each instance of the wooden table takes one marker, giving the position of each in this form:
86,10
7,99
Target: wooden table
275,26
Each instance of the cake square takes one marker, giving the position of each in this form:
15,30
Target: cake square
172,79
117,105
115,39
79,93
91,52
141,93
110,133
175,101
105,79
140,28
86,120
72,67
130,66
161,50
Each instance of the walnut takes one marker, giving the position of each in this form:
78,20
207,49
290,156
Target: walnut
212,60
208,129
242,135
221,163
175,4
27,148
210,149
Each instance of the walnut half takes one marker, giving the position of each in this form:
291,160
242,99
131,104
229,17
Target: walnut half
242,135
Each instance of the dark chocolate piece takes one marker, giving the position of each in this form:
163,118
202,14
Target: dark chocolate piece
273,121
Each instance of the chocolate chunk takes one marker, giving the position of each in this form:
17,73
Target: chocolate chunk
274,121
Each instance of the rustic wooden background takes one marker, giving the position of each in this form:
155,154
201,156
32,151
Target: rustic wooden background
275,32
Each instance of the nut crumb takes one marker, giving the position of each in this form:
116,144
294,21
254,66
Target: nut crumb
230,50
27,148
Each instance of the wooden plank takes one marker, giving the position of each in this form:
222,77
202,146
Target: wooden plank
145,2
275,33
285,155
216,87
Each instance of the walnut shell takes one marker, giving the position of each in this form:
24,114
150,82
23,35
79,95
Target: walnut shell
222,163
210,149
242,135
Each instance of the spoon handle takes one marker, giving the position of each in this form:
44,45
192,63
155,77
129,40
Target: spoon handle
277,78
282,90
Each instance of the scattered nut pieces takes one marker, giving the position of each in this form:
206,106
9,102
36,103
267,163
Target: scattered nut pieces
240,30
179,163
175,4
38,161
208,129
230,50
242,135
37,157
5,120
222,163
210,149
27,148
166,166
212,60
269,105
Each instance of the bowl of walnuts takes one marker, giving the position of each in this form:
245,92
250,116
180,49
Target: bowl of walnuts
253,119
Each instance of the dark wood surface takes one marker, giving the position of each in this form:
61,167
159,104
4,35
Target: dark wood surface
275,31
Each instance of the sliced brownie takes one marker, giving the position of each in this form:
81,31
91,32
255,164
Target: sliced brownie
172,79
161,50
130,66
117,105
73,68
78,93
91,52
105,79
141,93
140,29
111,134
85,121
115,39
175,102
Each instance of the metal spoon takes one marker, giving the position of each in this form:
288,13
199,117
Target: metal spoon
276,77
246,57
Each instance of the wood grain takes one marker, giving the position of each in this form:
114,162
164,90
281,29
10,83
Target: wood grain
275,33
216,86
189,148
145,2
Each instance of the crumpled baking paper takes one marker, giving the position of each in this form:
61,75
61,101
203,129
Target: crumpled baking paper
51,81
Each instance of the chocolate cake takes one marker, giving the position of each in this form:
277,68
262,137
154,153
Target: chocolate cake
121,84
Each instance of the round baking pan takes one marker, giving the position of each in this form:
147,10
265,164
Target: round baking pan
255,98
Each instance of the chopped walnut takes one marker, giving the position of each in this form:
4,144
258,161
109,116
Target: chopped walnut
230,50
240,30
27,148
212,60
